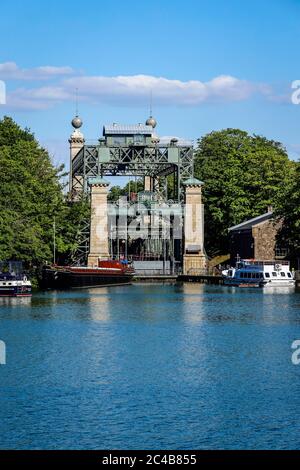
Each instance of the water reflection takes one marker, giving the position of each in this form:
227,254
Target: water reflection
99,305
100,367
273,290
15,301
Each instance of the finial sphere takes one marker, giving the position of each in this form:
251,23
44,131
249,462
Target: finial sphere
76,122
151,122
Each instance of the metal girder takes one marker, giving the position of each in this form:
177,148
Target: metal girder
128,161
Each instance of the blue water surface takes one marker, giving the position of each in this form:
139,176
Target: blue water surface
151,366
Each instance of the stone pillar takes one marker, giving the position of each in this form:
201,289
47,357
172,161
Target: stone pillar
76,142
194,258
99,221
148,183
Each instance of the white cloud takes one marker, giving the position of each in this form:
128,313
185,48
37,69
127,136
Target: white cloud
121,90
11,71
137,88
38,98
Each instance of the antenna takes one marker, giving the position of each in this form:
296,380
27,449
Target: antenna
151,100
76,102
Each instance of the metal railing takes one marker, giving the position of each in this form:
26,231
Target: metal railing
203,272
154,272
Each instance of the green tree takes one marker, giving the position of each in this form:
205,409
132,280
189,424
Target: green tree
31,196
243,174
288,210
131,187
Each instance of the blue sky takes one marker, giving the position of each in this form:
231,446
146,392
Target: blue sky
210,65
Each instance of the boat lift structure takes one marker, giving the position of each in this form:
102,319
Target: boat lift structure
167,172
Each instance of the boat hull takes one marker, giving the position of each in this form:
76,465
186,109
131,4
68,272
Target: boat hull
15,291
63,279
238,283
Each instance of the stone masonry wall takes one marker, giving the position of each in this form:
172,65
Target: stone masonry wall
264,235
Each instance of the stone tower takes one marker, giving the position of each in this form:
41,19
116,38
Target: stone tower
99,247
76,142
194,259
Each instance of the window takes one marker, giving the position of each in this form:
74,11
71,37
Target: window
267,275
118,140
282,274
289,275
281,252
274,274
139,139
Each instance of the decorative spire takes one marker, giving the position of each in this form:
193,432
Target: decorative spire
151,121
76,122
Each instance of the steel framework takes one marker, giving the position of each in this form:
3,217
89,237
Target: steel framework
155,160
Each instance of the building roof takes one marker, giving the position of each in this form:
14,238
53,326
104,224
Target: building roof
118,129
251,222
98,180
193,182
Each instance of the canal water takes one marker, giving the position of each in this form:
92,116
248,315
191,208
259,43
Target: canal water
151,367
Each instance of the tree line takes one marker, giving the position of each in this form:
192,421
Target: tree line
243,174
32,196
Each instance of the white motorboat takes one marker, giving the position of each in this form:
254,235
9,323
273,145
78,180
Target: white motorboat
255,273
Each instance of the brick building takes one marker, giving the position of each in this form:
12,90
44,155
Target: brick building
256,239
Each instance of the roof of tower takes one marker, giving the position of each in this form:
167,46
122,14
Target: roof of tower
118,129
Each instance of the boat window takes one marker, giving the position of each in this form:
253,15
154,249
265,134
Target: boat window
289,274
274,274
267,274
282,274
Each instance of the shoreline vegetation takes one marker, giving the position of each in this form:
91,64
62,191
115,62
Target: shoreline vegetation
243,175
32,195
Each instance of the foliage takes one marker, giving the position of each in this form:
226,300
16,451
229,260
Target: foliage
131,187
243,174
31,196
288,209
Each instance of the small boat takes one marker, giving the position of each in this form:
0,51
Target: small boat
14,285
255,273
107,273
